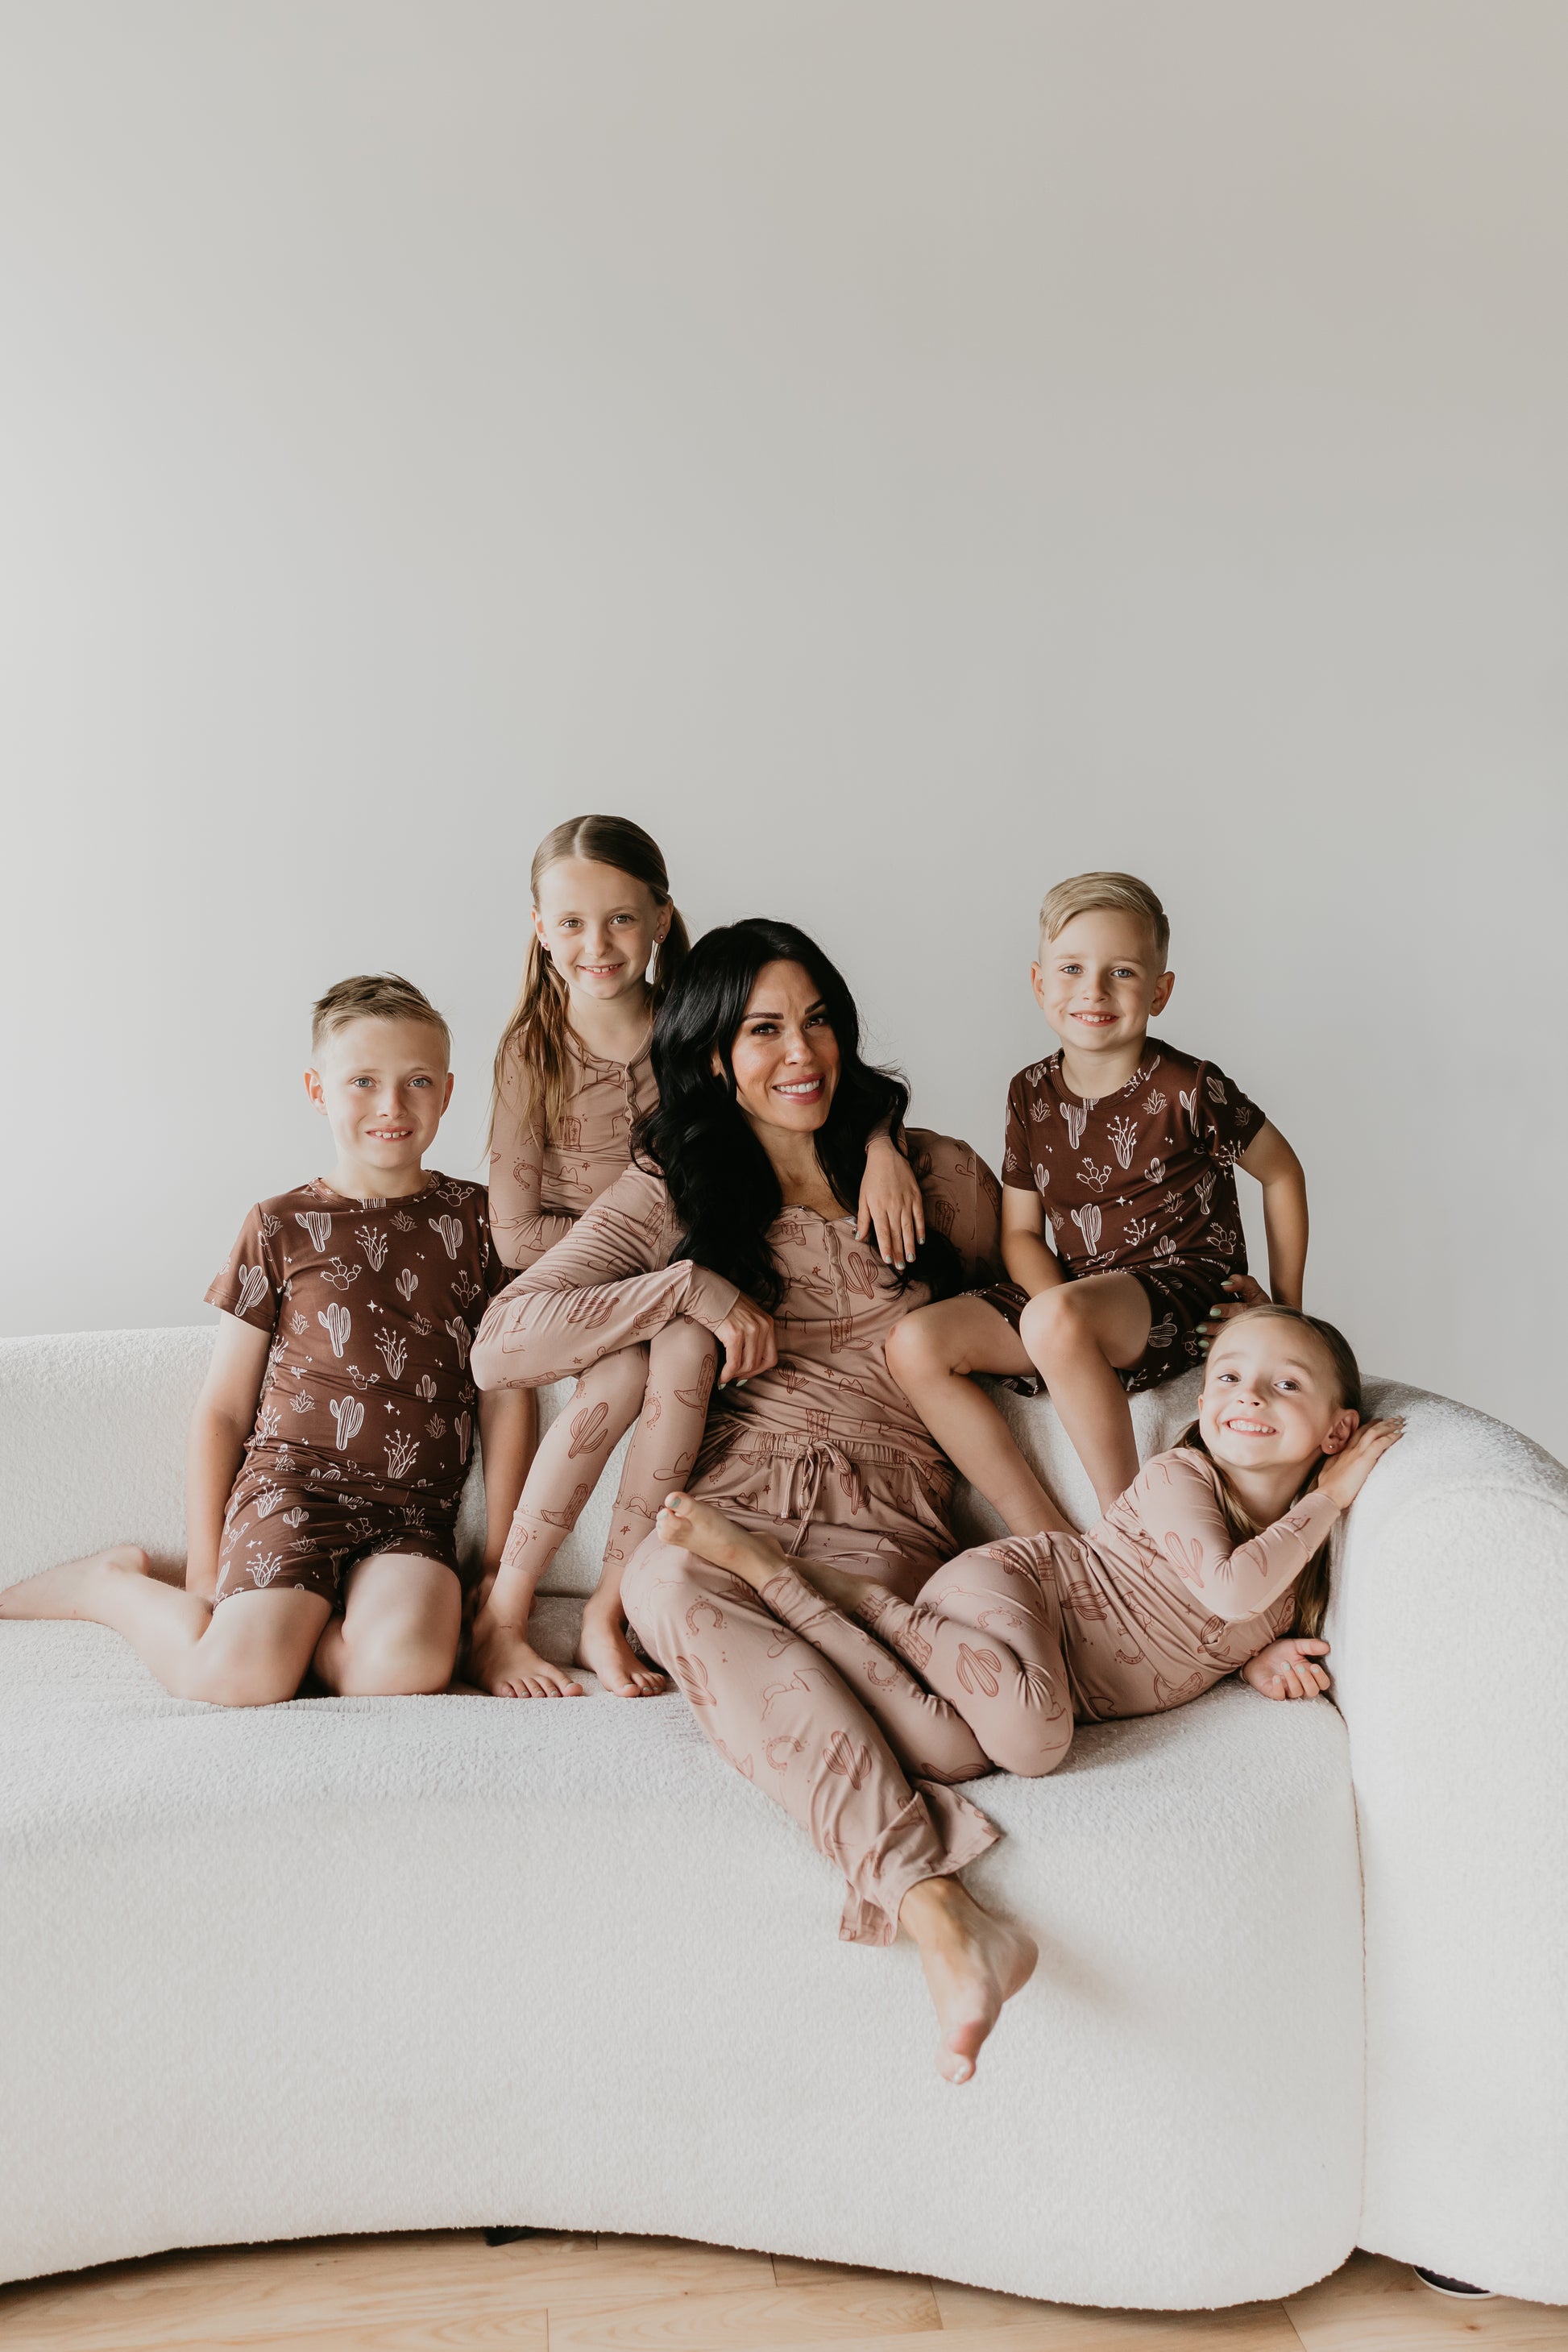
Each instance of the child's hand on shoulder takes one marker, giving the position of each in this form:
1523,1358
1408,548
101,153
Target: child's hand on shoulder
891,1204
1344,1474
1289,1669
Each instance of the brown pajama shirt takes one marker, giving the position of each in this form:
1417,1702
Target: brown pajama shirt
543,1175
1139,1182
367,1415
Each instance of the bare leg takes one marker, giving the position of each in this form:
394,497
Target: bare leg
1078,1335
931,1354
253,1651
681,1360
399,1630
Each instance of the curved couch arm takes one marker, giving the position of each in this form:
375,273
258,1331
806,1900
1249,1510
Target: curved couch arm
1449,1633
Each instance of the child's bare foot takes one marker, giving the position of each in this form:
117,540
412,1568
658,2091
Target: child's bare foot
67,1590
503,1662
972,1964
604,1649
755,1559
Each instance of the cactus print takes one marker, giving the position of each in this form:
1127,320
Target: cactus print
1145,1178
355,1387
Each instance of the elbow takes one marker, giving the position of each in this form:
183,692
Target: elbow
485,1360
1230,1607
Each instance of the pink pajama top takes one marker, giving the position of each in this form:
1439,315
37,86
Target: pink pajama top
826,1442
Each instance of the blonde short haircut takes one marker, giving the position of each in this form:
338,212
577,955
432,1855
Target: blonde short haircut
1085,894
374,996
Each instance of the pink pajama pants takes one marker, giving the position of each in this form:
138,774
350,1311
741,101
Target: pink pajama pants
663,1386
859,1732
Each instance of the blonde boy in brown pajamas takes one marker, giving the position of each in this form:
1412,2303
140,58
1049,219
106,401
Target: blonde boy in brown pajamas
333,1432
1125,1148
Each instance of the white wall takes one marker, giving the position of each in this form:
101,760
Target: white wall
903,453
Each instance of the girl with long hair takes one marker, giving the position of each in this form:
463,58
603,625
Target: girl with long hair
572,1077
735,1217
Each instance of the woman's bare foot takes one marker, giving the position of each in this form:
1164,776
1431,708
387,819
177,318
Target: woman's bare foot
503,1662
972,1964
604,1649
755,1559
67,1590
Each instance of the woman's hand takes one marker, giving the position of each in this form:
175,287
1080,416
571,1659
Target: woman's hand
1343,1475
1289,1669
1241,1291
748,1339
890,1203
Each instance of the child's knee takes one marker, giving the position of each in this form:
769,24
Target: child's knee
915,1346
1054,1322
1032,1746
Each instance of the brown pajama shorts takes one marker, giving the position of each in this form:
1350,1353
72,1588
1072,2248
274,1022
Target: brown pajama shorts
285,1538
1180,1298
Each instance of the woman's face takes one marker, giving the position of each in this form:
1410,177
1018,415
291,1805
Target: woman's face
784,1054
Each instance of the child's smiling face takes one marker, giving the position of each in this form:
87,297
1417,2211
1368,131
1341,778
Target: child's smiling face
383,1087
1099,982
1271,1397
598,926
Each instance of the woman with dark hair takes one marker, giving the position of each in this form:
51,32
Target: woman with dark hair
737,1214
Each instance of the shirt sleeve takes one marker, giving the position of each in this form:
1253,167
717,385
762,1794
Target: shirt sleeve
1227,1121
608,1284
523,1229
250,1285
962,1199
1174,1498
1017,1158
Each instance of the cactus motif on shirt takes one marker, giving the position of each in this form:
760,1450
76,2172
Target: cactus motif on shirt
1076,1117
253,1284
401,1451
463,1428
426,1387
374,1244
1202,1190
449,1230
317,1224
1123,1133
348,1414
408,1283
1088,1220
392,1352
334,1322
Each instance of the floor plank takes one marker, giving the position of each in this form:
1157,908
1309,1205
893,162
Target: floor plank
993,2320
1376,2306
822,2313
256,2294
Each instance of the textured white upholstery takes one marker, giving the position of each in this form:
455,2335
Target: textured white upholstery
383,1964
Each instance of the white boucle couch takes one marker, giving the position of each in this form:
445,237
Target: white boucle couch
391,1964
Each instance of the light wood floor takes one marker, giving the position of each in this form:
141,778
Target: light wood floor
449,2292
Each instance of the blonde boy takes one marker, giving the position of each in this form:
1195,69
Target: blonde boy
1124,1149
330,1441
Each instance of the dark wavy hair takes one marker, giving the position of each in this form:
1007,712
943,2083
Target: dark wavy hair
701,1141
